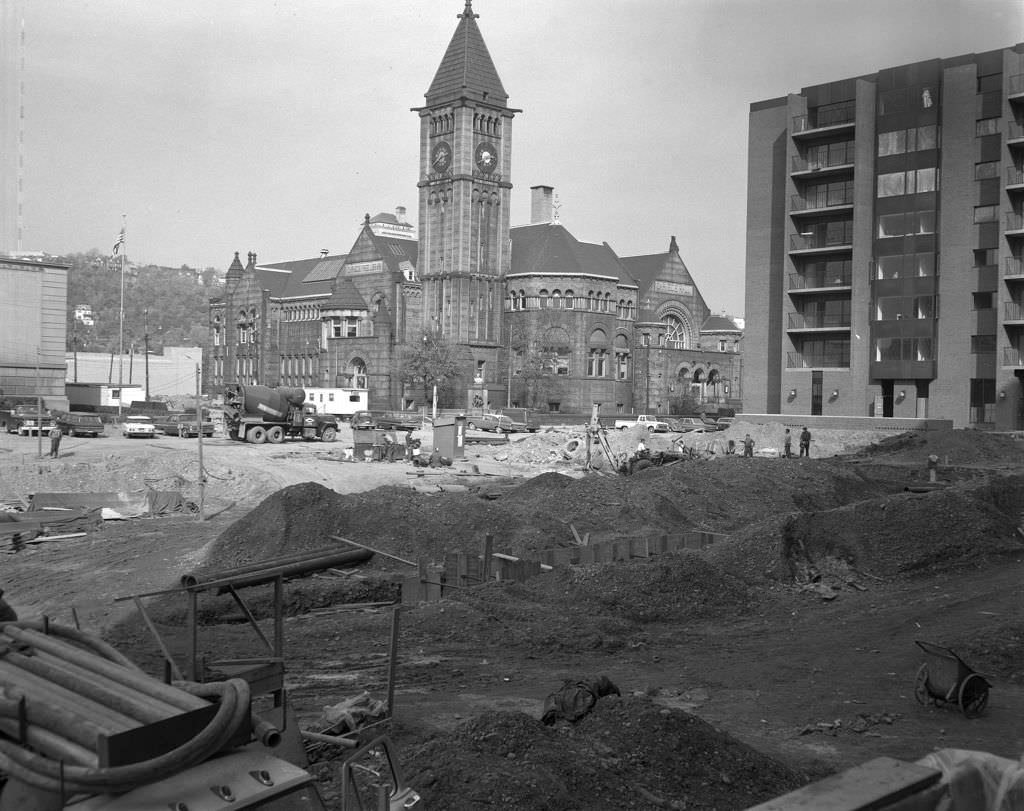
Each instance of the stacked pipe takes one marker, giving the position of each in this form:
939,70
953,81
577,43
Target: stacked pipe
288,566
61,690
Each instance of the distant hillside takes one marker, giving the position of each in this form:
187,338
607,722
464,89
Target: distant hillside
177,300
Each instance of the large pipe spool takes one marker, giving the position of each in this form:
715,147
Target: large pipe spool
191,579
62,692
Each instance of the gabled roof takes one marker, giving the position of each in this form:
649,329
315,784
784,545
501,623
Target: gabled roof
550,248
392,251
466,69
300,277
345,297
720,323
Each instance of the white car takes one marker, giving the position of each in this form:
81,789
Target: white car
138,426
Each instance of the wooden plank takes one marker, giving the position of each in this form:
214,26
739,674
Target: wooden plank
488,551
872,785
462,569
576,535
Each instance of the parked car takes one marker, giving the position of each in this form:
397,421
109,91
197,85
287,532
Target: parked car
725,422
523,419
498,423
183,425
26,419
79,423
138,425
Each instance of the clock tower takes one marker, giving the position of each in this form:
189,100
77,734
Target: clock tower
464,191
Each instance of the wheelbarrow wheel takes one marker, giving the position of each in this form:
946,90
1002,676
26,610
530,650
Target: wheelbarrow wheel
921,686
973,695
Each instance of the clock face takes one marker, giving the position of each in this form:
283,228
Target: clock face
441,157
486,157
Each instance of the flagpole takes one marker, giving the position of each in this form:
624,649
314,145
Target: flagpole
120,348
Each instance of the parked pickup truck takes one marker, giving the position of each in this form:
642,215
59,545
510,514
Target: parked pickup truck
26,419
648,421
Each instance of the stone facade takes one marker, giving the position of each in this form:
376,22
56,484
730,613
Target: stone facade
534,317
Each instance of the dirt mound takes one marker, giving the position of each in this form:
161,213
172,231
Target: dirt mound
953,447
627,753
886,536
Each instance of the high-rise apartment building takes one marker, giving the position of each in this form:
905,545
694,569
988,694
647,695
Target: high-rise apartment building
885,236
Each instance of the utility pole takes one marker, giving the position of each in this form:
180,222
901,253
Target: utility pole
120,344
199,432
146,338
39,406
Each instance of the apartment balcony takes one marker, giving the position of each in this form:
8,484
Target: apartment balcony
818,360
1014,134
1013,357
1013,313
818,322
1013,268
831,120
1015,87
1015,225
840,162
1014,179
816,282
807,244
820,203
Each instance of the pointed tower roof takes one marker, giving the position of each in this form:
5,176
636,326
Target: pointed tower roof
466,69
235,271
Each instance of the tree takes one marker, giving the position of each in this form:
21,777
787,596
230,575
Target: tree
430,361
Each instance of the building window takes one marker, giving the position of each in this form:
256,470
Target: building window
596,363
986,214
621,365
982,301
335,327
351,326
986,170
553,407
721,344
569,301
919,181
986,126
983,343
914,139
986,257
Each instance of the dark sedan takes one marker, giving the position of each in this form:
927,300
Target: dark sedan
183,425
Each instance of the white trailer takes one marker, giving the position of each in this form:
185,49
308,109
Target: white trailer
340,402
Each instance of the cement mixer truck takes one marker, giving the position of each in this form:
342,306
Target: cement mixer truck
259,414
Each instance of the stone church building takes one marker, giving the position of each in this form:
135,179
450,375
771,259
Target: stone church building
532,316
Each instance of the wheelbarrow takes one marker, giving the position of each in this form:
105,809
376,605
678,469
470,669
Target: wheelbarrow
945,678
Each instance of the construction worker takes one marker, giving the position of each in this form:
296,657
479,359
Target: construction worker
748,446
55,435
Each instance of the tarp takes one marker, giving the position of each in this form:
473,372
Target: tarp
978,781
112,505
30,524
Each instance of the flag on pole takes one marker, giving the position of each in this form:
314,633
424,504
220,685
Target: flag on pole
118,242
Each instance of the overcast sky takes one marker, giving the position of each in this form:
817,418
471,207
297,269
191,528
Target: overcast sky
274,126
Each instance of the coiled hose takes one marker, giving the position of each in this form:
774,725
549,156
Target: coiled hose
48,729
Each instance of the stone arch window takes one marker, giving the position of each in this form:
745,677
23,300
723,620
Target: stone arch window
555,351
620,312
676,334
590,300
607,302
543,295
597,355
556,299
621,357
522,299
218,330
570,302
630,312
357,370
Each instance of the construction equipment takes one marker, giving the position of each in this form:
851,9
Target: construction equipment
84,729
945,678
259,414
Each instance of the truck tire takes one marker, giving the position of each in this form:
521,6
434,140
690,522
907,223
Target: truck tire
650,429
257,435
328,435
275,435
